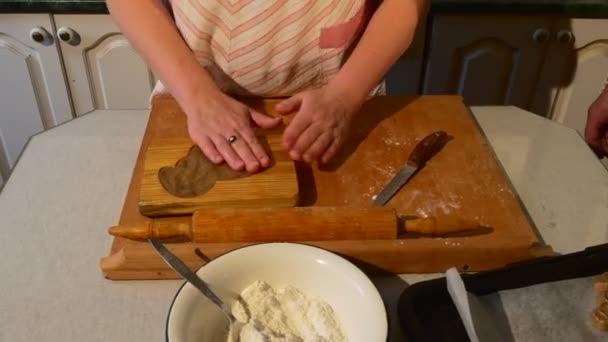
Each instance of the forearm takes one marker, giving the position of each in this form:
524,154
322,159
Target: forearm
152,32
387,36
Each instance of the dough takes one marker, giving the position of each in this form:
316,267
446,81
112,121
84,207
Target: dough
194,174
601,285
600,314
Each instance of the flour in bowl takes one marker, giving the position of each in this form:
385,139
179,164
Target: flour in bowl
285,314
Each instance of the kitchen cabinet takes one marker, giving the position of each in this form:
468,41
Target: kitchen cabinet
487,59
33,90
55,67
103,70
553,67
404,76
575,71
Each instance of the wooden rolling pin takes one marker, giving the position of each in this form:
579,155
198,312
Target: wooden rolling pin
292,224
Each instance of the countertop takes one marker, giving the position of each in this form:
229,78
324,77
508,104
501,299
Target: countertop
575,8
69,185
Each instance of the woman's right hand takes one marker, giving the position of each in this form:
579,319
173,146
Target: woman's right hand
216,118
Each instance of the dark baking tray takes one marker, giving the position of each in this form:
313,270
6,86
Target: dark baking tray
427,313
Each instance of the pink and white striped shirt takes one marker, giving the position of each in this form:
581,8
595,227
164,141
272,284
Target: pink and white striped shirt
271,48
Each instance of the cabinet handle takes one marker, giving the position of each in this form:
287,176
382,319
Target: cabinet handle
41,35
565,36
540,35
68,35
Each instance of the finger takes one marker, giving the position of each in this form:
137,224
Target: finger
331,151
241,147
305,140
597,142
605,142
230,156
593,128
209,150
264,121
295,128
289,105
317,149
256,147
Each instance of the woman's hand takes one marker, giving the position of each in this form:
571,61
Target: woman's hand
213,117
596,131
218,117
321,123
324,115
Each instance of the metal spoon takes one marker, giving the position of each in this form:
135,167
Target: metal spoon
176,264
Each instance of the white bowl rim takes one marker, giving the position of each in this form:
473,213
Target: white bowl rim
348,262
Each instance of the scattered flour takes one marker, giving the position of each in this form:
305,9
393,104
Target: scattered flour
285,315
451,243
422,212
391,140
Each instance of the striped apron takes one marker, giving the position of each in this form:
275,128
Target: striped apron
270,48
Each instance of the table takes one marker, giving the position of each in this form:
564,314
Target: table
69,185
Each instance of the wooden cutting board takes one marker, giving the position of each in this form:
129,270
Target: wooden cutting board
464,180
276,186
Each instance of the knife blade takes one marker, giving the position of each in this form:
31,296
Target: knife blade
424,150
178,266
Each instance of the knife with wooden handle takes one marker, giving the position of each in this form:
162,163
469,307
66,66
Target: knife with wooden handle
292,224
424,150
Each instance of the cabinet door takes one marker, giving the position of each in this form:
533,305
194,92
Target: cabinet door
33,93
103,70
404,76
489,60
575,70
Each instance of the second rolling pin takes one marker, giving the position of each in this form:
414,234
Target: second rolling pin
292,224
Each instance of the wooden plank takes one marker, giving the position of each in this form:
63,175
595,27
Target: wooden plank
138,260
463,180
276,186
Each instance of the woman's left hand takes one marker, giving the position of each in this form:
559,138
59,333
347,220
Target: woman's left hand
320,126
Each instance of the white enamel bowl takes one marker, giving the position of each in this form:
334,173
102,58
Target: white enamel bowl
315,271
